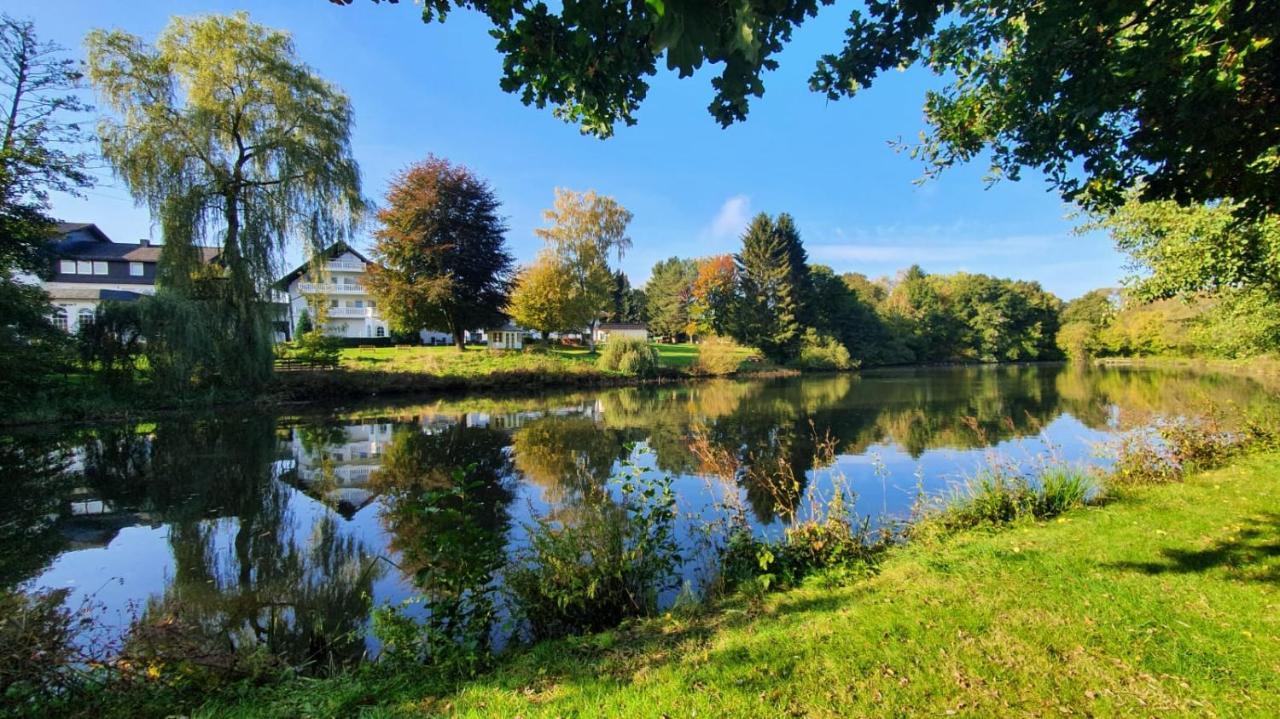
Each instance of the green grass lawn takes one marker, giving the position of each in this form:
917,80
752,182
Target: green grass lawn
1165,602
479,360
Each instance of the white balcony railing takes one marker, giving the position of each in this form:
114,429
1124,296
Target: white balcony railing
330,288
353,312
343,266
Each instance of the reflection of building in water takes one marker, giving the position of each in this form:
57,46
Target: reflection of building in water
336,463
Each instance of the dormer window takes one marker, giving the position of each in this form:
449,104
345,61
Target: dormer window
99,268
67,267
135,269
84,267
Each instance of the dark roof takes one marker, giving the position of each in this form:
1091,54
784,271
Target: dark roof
93,293
66,228
100,247
622,326
328,253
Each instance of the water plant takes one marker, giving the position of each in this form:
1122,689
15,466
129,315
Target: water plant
604,559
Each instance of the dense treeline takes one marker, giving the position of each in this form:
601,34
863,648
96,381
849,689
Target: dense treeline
768,296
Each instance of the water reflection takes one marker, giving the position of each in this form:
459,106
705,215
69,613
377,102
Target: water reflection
249,532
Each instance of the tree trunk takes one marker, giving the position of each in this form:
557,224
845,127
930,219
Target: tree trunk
591,336
459,338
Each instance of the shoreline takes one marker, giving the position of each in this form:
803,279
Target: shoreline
320,390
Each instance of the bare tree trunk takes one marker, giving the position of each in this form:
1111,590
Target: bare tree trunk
591,336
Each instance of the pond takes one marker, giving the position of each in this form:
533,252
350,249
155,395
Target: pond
288,533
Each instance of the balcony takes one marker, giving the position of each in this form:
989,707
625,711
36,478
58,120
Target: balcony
349,312
330,288
345,266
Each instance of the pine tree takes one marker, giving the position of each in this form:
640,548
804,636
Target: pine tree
668,293
769,309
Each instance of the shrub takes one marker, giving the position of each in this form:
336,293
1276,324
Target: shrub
1140,460
112,343
1061,489
822,352
599,562
718,356
304,322
1181,445
630,356
317,348
37,655
837,543
998,496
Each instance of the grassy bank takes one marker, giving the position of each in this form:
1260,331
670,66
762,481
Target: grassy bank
1161,602
388,371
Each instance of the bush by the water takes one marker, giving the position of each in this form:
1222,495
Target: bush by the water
999,495
821,352
630,356
600,561
837,543
718,356
315,348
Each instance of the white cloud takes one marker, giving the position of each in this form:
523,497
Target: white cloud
731,220
928,245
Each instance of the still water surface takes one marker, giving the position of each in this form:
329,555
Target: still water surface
288,533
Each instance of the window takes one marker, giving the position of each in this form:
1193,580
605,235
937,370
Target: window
359,303
99,268
372,304
67,267
85,319
381,331
60,317
135,269
333,303
84,267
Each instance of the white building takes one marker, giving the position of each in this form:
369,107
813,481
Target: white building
89,268
339,470
621,330
335,278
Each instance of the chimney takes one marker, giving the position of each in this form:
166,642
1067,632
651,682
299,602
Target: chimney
144,242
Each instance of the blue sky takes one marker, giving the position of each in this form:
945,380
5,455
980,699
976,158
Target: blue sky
420,89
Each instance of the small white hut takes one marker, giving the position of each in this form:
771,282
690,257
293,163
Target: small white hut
506,337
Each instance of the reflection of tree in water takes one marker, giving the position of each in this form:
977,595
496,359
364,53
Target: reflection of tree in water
447,494
1140,395
965,408
36,485
302,593
568,456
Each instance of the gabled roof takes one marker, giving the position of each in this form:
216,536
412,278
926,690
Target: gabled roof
333,251
66,228
97,246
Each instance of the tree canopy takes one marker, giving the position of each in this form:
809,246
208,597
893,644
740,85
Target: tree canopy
442,261
668,293
771,288
583,229
230,141
546,298
40,125
1205,248
1179,95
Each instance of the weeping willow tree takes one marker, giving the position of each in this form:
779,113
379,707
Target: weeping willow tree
231,142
